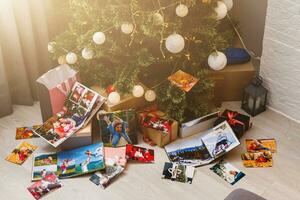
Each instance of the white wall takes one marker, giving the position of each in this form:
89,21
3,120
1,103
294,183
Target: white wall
280,64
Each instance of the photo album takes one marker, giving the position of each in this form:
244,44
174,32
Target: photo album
80,105
70,163
201,149
117,128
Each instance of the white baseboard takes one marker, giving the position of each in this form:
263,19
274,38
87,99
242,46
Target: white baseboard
283,114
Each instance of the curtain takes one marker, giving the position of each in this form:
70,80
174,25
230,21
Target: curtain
24,35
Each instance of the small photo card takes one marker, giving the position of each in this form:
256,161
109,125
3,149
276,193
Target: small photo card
20,154
183,80
26,132
48,184
104,177
227,172
254,145
139,154
257,159
177,172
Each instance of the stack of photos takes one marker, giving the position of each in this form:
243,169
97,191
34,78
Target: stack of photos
70,163
202,149
20,154
177,172
257,159
26,132
48,184
255,145
78,109
139,154
117,128
183,80
115,161
227,172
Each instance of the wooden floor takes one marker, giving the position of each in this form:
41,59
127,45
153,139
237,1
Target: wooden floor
143,181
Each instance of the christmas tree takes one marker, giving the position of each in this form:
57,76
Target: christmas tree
127,42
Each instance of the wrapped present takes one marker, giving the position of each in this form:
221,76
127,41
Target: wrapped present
239,123
157,127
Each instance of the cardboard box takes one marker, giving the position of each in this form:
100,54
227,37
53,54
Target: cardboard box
198,125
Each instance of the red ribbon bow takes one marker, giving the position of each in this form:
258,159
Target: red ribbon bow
231,118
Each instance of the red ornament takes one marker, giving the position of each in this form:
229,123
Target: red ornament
110,89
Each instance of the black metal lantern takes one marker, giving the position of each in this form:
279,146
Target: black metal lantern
255,97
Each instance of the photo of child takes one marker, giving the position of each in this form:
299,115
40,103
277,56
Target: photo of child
254,145
26,132
178,172
43,164
183,80
117,128
76,93
87,99
257,159
139,153
20,154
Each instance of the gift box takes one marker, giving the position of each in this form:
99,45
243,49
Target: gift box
238,122
157,127
198,125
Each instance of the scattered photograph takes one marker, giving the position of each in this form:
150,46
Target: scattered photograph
257,159
117,128
104,177
20,154
139,153
115,156
221,140
177,172
72,117
80,161
42,187
227,172
183,80
43,164
254,145
26,132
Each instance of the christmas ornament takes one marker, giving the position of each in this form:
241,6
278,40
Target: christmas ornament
114,98
182,10
228,3
87,53
109,89
50,47
175,43
221,10
127,28
150,95
99,37
137,91
71,58
217,60
61,60
158,19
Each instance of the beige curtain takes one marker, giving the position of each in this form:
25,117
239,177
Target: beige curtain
24,37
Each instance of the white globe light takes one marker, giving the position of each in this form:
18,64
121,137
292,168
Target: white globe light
182,10
229,4
158,19
71,58
87,53
217,60
114,98
137,91
175,43
221,10
50,47
61,60
150,95
127,28
99,37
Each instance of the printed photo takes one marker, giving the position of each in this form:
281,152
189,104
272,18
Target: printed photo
177,172
80,161
76,92
117,128
87,99
227,172
139,153
183,80
221,140
20,154
48,184
43,164
115,156
26,132
258,159
103,179
254,145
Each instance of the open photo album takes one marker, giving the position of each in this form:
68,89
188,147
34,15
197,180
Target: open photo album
201,149
79,107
